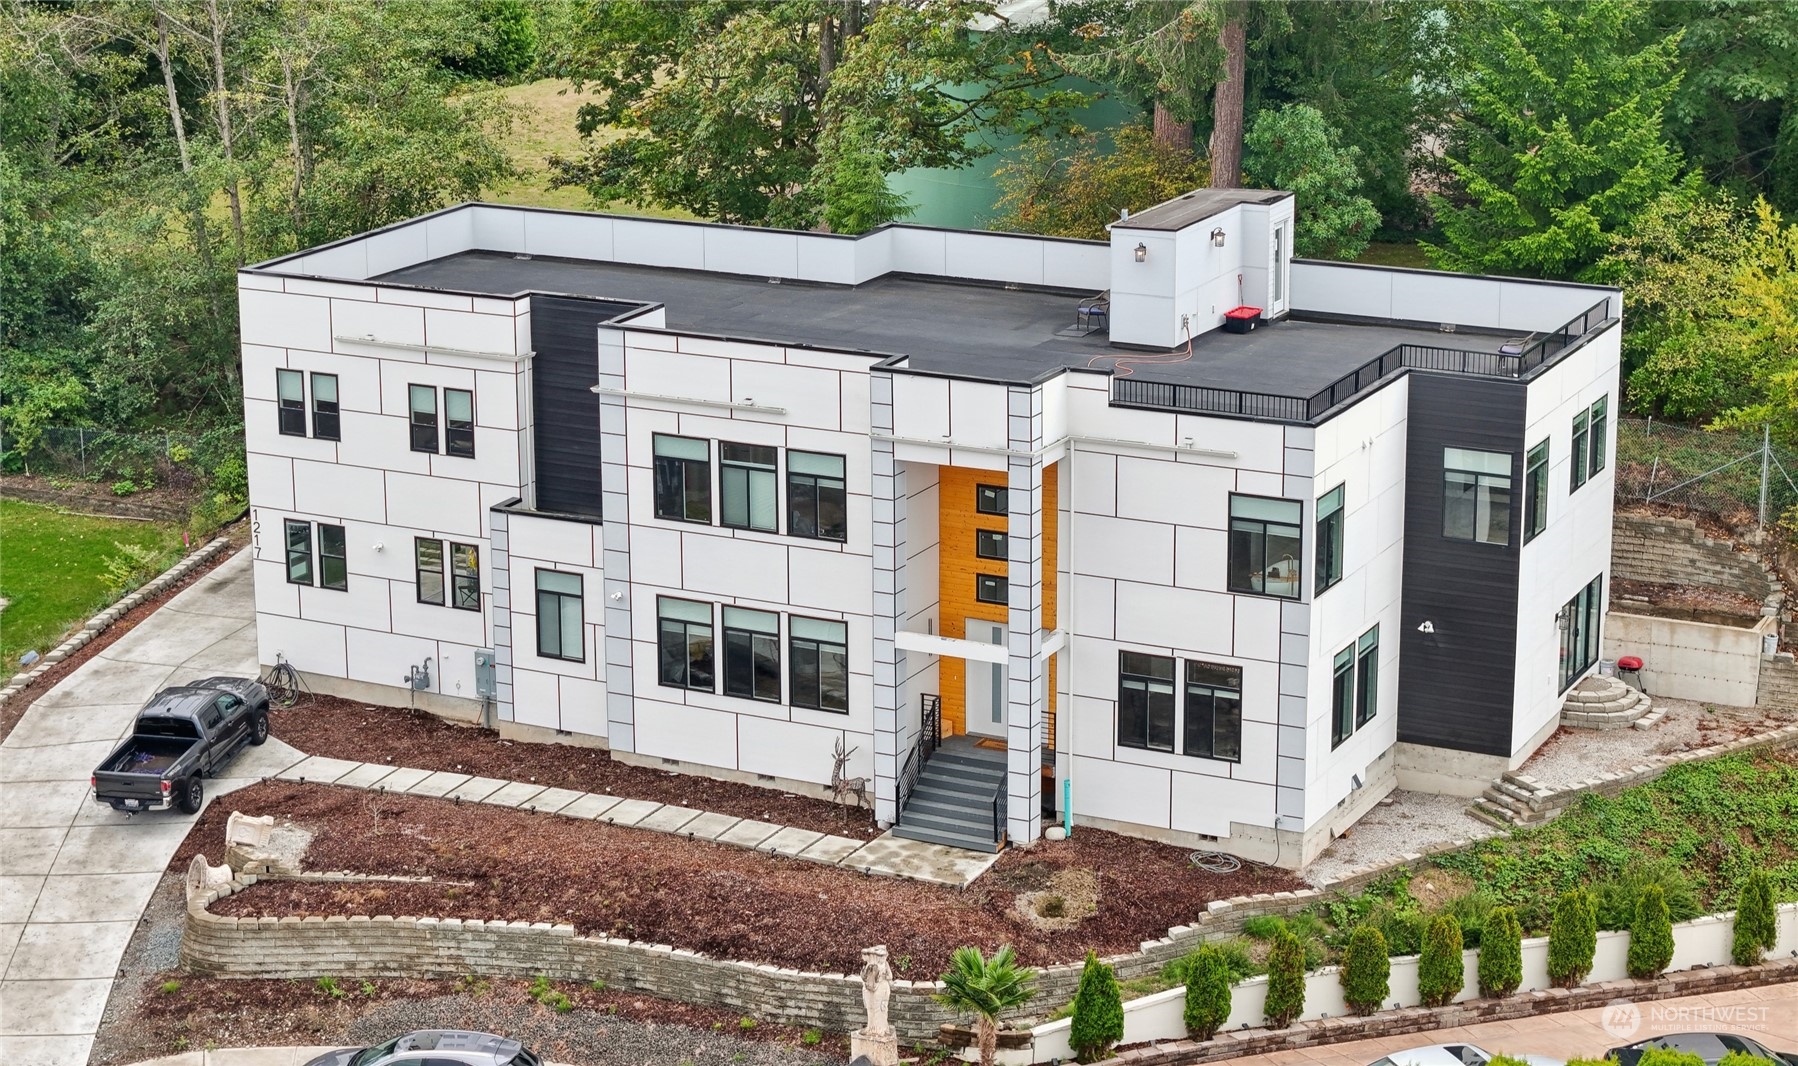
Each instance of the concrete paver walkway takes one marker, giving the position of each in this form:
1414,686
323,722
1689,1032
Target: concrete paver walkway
75,876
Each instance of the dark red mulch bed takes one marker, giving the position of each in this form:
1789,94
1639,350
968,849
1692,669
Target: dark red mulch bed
347,729
724,901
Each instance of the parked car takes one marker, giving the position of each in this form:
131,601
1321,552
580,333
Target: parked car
1711,1047
435,1047
1454,1055
185,733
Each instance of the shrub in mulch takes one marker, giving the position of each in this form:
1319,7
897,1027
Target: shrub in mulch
724,901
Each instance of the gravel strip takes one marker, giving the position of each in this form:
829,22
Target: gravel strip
1408,822
1575,755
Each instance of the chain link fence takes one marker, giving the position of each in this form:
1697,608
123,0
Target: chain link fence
1736,476
80,453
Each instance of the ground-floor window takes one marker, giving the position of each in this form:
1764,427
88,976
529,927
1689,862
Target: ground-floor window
299,552
1213,711
333,564
332,570
465,577
1145,701
818,661
752,654
685,643
1354,686
1578,624
560,616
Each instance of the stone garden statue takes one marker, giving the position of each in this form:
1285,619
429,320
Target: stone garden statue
876,1040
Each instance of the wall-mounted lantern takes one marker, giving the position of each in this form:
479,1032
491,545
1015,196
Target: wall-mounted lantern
1142,252
1217,237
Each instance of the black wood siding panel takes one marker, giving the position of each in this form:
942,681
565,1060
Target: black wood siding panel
1456,684
564,333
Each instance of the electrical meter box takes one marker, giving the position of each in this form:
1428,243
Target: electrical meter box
486,684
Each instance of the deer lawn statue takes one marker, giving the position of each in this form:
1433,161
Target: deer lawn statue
842,787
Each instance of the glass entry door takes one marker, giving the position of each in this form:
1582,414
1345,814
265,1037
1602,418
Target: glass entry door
986,683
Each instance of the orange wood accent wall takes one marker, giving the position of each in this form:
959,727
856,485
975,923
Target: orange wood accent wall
958,564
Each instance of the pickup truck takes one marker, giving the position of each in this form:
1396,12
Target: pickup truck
183,734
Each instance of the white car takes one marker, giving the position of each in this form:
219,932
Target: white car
1455,1055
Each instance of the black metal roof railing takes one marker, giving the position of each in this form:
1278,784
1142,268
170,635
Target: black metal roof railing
1203,399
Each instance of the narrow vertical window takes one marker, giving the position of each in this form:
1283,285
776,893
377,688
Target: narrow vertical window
752,654
1145,701
290,388
683,478
818,664
465,577
428,569
684,643
1329,538
817,496
746,488
299,552
560,616
1367,676
326,419
1265,546
1535,492
1476,496
458,423
1581,427
1342,696
423,400
1279,264
333,561
1213,711
1600,419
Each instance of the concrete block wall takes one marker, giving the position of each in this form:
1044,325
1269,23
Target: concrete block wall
1676,551
1778,689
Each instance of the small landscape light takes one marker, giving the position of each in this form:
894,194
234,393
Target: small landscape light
1142,252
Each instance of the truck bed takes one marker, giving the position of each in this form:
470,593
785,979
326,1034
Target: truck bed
147,755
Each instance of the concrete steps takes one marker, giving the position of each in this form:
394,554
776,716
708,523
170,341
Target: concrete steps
952,803
1508,802
1607,703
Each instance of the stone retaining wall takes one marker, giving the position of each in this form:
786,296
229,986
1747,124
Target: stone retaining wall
99,623
1778,688
1674,551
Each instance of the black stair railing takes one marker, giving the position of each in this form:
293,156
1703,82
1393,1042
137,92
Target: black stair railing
999,813
930,736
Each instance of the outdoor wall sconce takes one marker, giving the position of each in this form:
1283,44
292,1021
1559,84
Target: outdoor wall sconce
1217,237
1142,252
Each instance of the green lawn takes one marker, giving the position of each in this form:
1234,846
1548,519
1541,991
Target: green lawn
54,567
1395,254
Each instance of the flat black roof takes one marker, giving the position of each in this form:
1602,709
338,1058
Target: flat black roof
950,327
1197,206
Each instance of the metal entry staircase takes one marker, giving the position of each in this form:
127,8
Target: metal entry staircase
952,791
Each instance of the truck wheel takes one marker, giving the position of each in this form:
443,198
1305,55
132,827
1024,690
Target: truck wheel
259,728
192,795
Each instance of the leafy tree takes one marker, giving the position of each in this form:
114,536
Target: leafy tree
1756,926
1063,188
1650,935
1098,1012
986,988
1558,143
1285,980
1761,327
1501,954
1366,973
1572,939
1293,148
1441,971
1207,993
1660,1056
507,44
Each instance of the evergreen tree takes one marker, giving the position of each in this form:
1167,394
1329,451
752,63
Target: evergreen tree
1501,954
1285,980
1441,971
1572,939
1098,1012
1366,973
1207,993
1651,935
1756,921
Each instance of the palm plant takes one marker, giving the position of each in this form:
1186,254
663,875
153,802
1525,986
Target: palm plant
986,988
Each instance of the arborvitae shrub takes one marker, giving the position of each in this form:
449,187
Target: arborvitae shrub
1572,939
1098,1012
1756,925
1501,954
1650,935
1285,981
1207,993
1441,972
1366,970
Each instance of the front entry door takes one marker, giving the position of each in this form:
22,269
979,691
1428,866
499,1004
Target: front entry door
986,684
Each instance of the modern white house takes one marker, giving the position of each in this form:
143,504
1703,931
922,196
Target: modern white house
1013,518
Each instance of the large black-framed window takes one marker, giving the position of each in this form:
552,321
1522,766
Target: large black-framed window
1266,546
817,496
752,654
1535,491
560,616
748,497
683,478
421,401
290,395
992,499
990,588
465,577
1213,711
684,643
1342,696
1331,517
1599,427
298,538
991,544
1367,677
1578,626
1145,701
427,569
1582,435
458,423
333,561
1476,496
818,664
327,417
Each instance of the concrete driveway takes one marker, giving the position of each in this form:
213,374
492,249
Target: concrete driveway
75,876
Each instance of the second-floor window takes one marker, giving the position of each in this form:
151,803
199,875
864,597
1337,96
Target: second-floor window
1265,546
1535,492
683,478
560,616
747,494
1476,496
817,496
1355,686
1330,519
